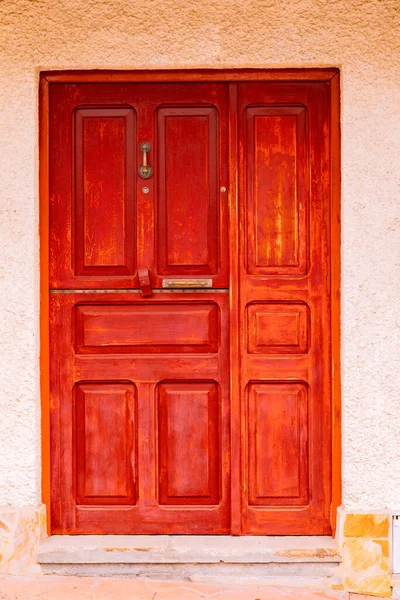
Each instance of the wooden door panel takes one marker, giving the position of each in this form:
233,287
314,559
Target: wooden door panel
104,203
277,442
276,192
103,225
124,329
277,328
188,438
141,438
188,163
284,289
105,434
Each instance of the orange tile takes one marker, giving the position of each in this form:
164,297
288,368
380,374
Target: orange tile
368,525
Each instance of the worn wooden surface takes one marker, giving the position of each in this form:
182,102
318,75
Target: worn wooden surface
183,412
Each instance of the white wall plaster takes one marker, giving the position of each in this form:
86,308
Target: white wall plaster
359,36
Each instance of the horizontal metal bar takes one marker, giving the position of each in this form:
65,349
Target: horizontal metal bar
138,291
171,282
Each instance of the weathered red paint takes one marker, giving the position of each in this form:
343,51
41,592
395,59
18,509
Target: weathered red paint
190,412
284,266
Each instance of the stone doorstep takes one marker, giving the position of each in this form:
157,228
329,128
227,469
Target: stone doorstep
173,549
309,560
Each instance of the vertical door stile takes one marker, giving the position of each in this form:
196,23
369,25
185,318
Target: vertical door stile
235,396
146,201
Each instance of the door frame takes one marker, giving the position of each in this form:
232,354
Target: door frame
330,76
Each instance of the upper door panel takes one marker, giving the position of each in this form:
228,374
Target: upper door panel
106,220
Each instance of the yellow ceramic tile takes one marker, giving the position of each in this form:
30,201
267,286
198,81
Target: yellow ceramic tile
366,526
366,566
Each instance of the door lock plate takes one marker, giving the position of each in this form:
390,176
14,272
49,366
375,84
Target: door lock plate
187,283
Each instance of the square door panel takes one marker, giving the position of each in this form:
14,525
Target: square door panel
188,438
277,328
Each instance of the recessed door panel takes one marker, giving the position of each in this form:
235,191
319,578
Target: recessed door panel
105,426
188,214
124,328
188,438
277,328
277,442
103,194
277,185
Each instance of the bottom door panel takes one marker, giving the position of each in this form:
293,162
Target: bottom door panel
277,443
188,443
140,435
105,452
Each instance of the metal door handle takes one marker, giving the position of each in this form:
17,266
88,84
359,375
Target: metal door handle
145,171
144,281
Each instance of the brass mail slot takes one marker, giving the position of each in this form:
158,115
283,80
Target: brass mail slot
187,283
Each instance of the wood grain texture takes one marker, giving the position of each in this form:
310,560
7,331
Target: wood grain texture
104,226
276,188
44,232
103,200
229,75
220,437
105,447
187,231
285,249
278,444
124,328
335,278
188,443
134,432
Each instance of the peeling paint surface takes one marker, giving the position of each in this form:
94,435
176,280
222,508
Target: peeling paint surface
361,37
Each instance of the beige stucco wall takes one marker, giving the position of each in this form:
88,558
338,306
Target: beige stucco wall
358,36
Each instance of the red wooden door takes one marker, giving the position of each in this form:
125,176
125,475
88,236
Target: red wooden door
140,385
285,308
141,409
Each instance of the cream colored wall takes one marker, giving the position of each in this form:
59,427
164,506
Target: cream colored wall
360,37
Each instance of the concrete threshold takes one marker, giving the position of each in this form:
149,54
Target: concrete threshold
189,557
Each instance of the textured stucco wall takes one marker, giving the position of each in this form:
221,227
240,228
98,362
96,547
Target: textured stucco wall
361,37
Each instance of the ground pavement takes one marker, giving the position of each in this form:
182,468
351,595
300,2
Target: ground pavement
102,588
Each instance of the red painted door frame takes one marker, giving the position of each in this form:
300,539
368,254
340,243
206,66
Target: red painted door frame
330,77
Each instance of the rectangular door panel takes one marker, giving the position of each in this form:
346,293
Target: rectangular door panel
105,424
188,443
277,328
277,182
278,449
119,328
188,162
104,200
